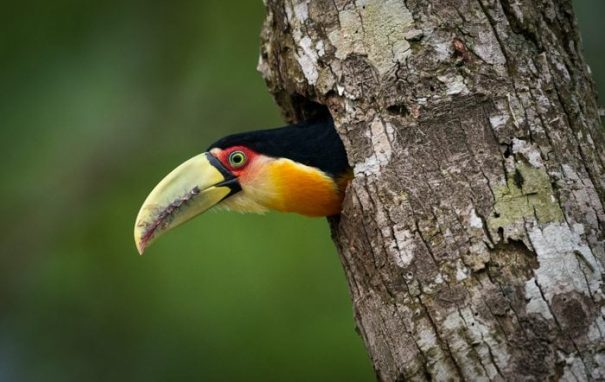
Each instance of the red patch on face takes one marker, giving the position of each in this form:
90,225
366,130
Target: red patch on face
236,158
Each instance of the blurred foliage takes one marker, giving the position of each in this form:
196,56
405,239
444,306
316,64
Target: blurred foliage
101,99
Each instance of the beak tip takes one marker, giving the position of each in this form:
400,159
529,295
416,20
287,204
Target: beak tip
140,249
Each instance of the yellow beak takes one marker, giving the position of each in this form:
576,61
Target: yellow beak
190,189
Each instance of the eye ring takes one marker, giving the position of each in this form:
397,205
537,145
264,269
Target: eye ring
237,159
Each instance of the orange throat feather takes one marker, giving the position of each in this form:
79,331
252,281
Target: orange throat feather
287,186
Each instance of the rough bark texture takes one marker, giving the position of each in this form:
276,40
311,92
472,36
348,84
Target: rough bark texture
472,237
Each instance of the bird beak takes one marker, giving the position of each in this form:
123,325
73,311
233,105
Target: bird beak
190,189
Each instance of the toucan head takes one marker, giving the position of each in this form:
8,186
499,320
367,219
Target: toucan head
297,168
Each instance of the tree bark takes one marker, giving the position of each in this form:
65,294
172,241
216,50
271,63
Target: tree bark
472,236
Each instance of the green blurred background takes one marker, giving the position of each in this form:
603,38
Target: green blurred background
98,101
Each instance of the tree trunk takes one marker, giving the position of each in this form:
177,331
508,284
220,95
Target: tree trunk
472,237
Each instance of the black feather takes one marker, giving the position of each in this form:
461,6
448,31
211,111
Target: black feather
314,144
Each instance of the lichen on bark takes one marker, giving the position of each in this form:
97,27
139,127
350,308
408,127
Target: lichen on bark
527,194
472,236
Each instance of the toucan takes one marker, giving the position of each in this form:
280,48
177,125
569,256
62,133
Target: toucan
300,168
